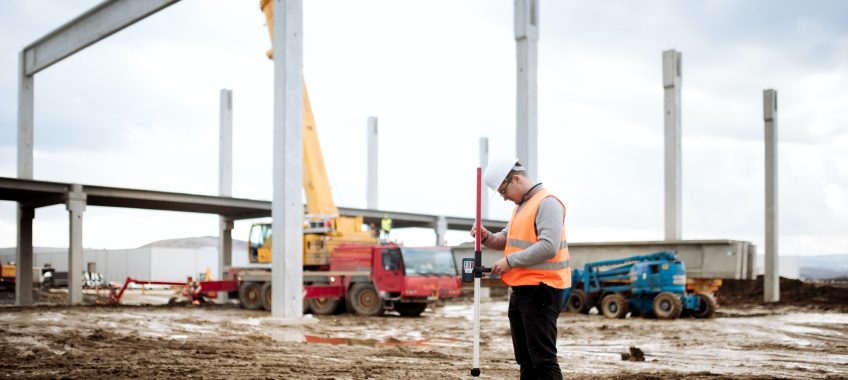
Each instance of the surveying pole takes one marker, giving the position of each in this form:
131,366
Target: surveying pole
473,269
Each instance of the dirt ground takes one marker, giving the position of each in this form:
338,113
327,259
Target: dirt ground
223,341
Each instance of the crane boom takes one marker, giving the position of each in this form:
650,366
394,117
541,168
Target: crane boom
324,229
316,185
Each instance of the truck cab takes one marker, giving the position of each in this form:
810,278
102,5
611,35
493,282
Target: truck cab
391,277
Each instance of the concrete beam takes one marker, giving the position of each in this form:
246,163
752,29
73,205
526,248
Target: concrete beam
526,40
771,286
76,206
94,25
373,168
287,206
672,80
23,257
484,161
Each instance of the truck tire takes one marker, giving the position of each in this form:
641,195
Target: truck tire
364,299
266,295
410,309
578,302
667,305
324,305
250,295
615,306
706,306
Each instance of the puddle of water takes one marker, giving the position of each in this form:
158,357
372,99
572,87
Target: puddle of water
390,342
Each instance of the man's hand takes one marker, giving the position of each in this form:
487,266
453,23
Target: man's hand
484,233
500,267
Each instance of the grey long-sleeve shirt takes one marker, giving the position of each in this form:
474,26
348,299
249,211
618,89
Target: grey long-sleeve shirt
549,224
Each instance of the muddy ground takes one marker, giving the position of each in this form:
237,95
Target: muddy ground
222,341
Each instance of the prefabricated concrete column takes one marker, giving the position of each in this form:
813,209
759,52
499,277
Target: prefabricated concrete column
287,205
225,249
26,91
526,40
225,183
441,230
23,257
371,190
484,161
771,285
76,206
25,215
672,71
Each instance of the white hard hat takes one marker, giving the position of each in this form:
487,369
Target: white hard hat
497,170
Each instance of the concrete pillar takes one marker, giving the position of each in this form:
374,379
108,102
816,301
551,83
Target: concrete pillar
672,81
225,144
76,206
23,257
372,163
771,287
225,184
26,91
287,205
526,40
441,230
484,161
225,249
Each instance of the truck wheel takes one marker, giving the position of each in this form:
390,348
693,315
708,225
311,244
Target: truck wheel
706,306
266,295
615,306
410,309
364,299
578,302
250,295
323,305
667,305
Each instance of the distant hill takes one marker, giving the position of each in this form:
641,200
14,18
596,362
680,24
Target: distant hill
824,267
195,243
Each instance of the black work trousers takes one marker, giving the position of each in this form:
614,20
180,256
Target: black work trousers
533,312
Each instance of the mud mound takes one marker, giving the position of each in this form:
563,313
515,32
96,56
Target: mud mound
792,293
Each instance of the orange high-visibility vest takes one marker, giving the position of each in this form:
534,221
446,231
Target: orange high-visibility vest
555,272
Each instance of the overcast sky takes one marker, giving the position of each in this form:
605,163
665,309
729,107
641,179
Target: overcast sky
140,109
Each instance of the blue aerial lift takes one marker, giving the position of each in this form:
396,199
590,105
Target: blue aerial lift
652,285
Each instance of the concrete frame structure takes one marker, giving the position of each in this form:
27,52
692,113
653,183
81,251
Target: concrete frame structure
526,44
484,162
287,205
92,26
771,285
672,81
87,29
373,169
225,184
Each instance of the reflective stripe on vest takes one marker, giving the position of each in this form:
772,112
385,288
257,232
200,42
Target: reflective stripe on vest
555,272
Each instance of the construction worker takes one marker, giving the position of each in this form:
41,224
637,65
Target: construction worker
535,265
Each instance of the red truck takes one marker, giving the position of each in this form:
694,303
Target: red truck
363,279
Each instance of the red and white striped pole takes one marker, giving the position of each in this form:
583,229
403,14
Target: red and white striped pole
475,360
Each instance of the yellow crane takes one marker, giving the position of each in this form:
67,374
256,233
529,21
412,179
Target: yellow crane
324,229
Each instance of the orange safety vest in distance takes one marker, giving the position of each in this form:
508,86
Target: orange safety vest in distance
555,272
